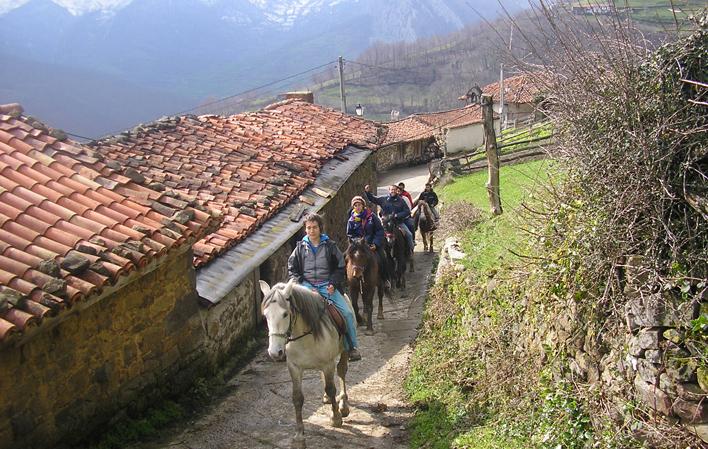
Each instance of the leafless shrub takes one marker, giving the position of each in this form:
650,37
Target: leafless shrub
457,217
631,124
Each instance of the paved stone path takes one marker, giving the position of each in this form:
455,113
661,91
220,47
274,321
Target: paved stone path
259,412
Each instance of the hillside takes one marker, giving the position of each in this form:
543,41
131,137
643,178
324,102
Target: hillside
201,49
431,73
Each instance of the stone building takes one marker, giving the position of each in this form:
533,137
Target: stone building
129,267
409,141
97,289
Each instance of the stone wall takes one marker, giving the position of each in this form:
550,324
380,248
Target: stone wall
232,321
102,358
407,154
662,364
647,358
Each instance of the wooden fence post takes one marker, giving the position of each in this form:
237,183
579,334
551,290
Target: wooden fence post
490,148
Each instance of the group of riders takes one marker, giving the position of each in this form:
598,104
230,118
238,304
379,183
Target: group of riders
317,263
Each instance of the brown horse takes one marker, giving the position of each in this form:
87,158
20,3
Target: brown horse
363,278
397,248
425,223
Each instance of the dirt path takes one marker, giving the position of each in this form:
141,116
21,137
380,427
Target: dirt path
259,411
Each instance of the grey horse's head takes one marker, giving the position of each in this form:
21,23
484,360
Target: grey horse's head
277,310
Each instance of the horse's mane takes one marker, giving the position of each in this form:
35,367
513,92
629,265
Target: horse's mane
427,213
357,244
310,305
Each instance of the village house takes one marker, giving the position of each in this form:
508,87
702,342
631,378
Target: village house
409,141
425,136
522,94
97,289
170,291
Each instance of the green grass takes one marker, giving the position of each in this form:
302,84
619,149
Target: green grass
446,418
488,244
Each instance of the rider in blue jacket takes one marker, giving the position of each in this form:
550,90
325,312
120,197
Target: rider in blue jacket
364,223
394,204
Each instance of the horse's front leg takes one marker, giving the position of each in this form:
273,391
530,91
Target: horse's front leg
354,291
331,392
343,397
380,291
368,307
298,401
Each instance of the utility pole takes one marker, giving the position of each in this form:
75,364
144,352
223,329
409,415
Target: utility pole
341,85
502,112
492,152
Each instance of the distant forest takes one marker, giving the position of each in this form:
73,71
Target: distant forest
430,74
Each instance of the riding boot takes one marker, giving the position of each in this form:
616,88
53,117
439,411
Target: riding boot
354,355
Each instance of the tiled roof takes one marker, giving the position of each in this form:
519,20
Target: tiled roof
426,125
453,118
248,166
407,130
517,89
73,224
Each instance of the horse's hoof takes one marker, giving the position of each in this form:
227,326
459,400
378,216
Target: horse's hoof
336,421
369,332
299,443
343,409
380,316
325,399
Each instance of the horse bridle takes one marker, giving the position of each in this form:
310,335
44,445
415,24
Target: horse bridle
288,334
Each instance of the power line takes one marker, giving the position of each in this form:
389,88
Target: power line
77,136
254,88
221,100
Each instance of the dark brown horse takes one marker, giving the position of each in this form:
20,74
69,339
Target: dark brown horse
397,248
363,278
425,223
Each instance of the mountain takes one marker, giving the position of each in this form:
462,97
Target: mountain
80,101
211,48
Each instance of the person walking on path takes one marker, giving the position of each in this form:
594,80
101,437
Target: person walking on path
393,204
318,264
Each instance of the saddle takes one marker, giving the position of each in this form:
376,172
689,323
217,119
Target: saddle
337,317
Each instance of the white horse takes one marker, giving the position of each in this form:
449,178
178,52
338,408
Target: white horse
301,332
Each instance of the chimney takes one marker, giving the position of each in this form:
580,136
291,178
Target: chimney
11,108
306,96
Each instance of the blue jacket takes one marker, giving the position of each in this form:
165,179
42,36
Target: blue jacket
303,260
369,227
391,205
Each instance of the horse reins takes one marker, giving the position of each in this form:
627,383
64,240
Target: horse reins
361,279
288,334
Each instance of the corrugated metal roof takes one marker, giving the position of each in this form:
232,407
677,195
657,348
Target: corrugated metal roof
217,279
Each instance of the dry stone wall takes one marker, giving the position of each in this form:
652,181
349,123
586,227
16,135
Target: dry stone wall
112,356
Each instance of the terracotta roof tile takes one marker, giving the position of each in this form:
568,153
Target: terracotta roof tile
253,163
408,129
517,89
427,125
51,210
